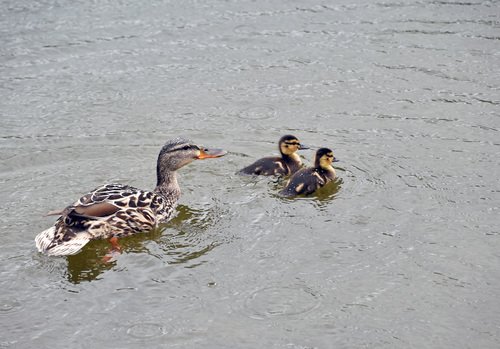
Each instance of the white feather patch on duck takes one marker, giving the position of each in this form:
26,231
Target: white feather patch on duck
45,243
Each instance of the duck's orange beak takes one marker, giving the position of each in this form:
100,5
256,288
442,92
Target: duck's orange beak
210,153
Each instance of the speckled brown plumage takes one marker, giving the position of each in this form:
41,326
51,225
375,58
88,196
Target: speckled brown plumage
116,210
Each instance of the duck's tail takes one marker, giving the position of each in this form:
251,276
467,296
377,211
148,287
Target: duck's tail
46,243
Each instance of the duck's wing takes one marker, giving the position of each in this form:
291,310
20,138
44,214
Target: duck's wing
102,201
115,203
108,199
114,194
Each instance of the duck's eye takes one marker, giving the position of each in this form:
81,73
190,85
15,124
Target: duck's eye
186,147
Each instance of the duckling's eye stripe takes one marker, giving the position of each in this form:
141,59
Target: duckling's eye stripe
292,143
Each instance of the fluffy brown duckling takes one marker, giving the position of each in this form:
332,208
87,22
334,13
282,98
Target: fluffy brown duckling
308,180
116,210
288,163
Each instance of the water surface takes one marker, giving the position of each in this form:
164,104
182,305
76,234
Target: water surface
402,253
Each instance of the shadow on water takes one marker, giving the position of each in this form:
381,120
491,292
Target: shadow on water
179,241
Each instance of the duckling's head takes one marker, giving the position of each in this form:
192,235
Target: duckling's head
180,152
324,158
290,144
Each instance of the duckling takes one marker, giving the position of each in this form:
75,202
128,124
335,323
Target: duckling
308,180
287,164
116,210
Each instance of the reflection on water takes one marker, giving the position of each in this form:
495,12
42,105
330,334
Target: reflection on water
90,263
329,191
322,196
180,240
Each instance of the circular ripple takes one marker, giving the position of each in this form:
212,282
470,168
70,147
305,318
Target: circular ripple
146,330
281,301
258,113
9,306
244,29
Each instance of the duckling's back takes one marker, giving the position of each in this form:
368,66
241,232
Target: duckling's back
269,166
303,182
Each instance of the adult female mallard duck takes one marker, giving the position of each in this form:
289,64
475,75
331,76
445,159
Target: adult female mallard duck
116,210
289,162
308,180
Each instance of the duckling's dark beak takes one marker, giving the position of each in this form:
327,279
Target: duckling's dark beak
210,153
303,146
335,160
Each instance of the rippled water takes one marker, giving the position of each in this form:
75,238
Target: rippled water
401,252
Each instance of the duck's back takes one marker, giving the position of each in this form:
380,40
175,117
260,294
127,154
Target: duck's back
116,203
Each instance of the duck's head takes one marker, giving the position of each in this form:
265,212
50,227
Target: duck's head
324,158
289,144
180,152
